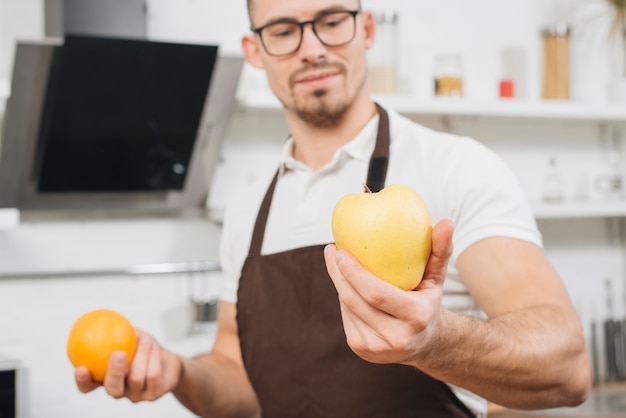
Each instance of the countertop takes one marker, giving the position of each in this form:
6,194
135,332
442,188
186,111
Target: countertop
605,401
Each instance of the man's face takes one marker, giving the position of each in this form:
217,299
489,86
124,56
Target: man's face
317,82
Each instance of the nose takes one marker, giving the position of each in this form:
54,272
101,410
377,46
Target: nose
311,49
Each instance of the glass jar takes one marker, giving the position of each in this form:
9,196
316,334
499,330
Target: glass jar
448,75
382,58
556,62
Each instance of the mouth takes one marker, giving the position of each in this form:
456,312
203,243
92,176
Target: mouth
317,79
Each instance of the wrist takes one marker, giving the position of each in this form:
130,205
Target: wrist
429,355
178,372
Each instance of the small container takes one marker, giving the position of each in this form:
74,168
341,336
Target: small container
553,186
383,57
448,76
507,89
204,316
513,72
556,62
205,310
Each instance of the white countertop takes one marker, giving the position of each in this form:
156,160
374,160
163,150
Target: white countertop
9,218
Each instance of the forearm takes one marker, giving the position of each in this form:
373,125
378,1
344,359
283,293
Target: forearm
528,359
212,385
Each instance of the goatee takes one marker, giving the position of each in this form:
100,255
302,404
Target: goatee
319,109
322,114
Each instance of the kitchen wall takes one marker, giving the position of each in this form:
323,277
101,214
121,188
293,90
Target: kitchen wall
36,313
21,19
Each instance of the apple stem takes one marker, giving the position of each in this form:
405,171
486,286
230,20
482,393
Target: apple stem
367,189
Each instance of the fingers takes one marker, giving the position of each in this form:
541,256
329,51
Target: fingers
136,376
358,289
84,381
365,294
154,374
382,322
114,381
341,264
144,380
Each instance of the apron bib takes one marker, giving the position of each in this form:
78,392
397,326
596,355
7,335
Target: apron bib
292,340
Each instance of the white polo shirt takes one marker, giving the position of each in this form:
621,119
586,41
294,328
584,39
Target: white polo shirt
458,178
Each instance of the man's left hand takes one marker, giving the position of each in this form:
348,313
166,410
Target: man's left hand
384,324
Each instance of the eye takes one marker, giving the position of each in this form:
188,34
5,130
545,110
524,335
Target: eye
332,20
281,30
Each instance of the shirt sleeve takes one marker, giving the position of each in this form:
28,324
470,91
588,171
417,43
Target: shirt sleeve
488,199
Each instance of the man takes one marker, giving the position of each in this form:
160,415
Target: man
293,341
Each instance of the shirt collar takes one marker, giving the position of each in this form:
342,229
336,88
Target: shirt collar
359,148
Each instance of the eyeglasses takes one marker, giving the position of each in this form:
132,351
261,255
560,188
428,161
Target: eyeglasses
285,37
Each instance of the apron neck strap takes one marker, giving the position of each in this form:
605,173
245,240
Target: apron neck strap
380,157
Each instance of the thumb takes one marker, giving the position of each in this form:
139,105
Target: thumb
440,252
84,381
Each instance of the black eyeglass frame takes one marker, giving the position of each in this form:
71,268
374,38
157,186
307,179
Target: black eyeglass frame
260,29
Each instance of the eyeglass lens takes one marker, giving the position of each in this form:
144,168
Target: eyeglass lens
332,29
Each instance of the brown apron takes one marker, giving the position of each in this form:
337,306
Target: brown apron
294,346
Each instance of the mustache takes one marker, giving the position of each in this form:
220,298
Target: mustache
306,68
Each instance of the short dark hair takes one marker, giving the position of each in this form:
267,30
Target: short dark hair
251,9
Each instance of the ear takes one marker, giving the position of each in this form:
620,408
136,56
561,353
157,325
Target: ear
369,29
252,50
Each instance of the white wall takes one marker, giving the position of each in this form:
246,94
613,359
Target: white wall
35,314
479,30
19,19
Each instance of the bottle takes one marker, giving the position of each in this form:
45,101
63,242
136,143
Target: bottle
382,58
552,183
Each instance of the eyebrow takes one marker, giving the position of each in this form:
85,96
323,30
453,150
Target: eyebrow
319,13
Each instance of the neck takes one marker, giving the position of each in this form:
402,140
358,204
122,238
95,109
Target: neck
315,146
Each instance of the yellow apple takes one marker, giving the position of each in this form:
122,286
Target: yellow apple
388,232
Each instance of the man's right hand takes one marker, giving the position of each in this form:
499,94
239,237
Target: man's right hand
152,373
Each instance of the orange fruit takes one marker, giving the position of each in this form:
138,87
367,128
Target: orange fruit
95,336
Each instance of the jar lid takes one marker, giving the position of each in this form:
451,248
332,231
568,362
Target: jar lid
385,16
558,29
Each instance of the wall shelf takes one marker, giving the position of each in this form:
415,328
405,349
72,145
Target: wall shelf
557,109
573,210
